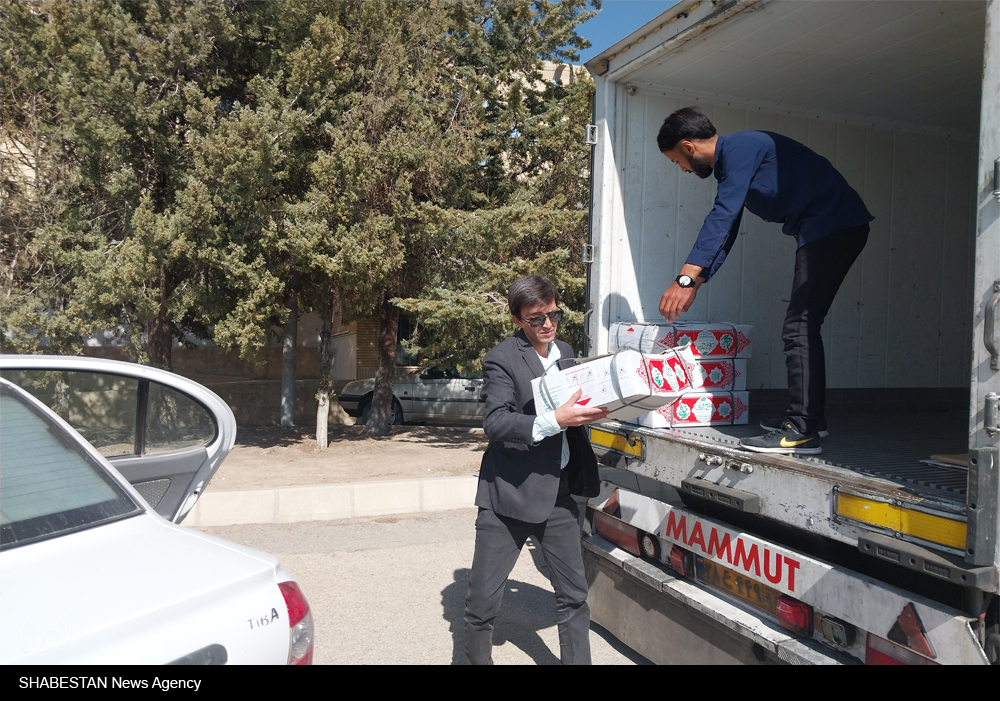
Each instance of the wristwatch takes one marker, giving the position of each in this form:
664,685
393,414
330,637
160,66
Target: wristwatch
684,280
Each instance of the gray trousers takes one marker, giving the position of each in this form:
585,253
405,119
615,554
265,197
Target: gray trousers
498,543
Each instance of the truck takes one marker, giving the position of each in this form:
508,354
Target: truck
882,549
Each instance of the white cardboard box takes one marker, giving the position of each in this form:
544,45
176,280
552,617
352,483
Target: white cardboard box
708,339
627,383
700,409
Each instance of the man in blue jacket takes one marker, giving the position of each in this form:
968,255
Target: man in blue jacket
779,180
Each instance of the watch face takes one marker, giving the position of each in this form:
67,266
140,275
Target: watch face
684,281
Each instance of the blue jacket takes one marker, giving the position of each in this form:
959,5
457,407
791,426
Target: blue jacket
779,180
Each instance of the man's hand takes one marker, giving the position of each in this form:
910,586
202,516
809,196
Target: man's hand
571,414
677,300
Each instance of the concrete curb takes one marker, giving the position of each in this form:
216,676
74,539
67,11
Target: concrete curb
324,502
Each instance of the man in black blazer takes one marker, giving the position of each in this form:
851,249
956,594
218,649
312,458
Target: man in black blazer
532,467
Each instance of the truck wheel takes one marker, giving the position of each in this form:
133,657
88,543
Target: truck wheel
649,546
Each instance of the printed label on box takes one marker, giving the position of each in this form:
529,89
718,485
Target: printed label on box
721,375
707,339
708,409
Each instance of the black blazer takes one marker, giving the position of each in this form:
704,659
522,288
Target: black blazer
518,479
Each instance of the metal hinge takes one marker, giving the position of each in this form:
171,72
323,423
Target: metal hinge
996,179
991,416
588,253
591,137
990,327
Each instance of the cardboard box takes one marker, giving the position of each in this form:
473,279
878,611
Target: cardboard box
645,338
627,383
708,339
700,409
726,375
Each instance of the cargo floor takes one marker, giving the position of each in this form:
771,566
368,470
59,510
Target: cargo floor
889,445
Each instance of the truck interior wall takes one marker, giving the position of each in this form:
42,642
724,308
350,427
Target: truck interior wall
902,316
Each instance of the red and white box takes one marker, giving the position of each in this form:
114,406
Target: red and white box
645,338
708,339
628,383
701,409
714,340
723,375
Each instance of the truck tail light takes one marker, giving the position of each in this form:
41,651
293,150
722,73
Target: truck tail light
682,561
300,624
794,615
884,652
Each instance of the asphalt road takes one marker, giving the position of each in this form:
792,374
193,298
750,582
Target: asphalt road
391,590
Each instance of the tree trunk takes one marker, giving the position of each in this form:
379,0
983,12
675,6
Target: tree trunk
378,418
160,337
288,369
325,373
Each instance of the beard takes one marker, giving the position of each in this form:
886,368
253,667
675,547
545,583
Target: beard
700,167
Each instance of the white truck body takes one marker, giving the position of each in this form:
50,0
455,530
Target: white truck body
904,99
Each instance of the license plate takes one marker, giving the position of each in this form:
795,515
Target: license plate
750,591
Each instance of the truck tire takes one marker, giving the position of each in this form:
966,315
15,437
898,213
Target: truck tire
649,547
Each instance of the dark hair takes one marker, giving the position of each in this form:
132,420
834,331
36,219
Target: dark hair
528,290
686,123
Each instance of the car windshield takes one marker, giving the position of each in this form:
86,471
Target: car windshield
49,485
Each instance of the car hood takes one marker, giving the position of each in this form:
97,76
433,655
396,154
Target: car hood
140,590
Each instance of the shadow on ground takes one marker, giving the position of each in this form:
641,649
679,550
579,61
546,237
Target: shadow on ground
526,609
433,436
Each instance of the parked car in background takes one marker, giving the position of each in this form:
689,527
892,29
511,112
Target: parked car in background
433,395
91,572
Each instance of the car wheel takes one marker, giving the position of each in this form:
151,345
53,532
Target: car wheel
395,413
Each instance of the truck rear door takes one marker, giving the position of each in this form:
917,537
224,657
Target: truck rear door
984,464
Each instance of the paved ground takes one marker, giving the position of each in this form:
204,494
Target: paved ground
391,590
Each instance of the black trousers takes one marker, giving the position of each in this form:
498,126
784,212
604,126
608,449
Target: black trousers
498,543
820,269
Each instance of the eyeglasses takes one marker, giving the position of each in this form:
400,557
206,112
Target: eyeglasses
536,321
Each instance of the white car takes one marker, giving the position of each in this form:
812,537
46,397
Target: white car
93,566
433,394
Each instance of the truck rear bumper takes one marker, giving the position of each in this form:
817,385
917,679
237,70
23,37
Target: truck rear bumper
670,620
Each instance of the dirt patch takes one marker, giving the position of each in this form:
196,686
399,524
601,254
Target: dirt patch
284,458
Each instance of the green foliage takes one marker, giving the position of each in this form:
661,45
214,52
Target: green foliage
98,94
175,168
526,207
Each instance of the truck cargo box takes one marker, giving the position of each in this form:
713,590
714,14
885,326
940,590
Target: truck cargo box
904,99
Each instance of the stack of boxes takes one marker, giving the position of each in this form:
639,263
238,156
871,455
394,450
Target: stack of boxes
720,351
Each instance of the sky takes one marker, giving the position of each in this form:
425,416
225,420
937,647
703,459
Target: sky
616,20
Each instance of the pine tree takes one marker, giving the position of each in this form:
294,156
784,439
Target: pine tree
526,212
195,167
105,93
